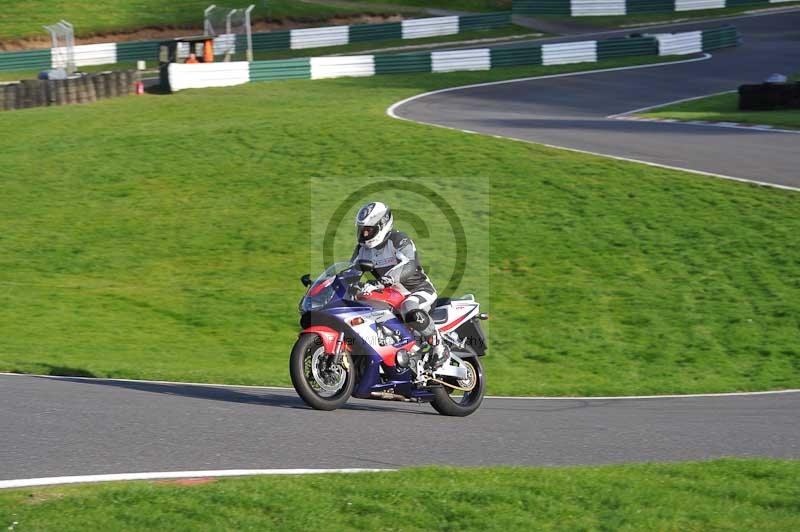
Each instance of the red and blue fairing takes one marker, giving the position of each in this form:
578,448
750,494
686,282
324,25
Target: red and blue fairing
365,326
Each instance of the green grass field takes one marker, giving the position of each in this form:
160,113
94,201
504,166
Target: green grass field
162,237
24,19
718,495
725,108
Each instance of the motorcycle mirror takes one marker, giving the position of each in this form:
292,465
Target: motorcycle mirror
306,280
366,265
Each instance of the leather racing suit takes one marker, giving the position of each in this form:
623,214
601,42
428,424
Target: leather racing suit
396,263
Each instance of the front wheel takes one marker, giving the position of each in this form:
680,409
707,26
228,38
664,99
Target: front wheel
322,384
450,402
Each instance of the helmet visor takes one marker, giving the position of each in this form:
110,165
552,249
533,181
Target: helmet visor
367,232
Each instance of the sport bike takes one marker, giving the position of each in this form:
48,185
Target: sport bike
354,343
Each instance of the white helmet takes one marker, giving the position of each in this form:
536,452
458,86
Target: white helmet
374,221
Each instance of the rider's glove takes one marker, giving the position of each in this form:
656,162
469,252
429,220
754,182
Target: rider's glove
386,280
370,287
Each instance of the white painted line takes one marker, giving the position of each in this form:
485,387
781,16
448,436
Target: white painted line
632,397
279,388
116,477
667,167
391,111
135,381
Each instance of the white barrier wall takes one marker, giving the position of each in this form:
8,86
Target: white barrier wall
429,27
348,65
199,75
588,8
316,37
679,43
694,5
569,52
452,61
86,54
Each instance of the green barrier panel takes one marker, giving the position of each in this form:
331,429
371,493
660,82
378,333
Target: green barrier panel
26,60
626,47
376,32
486,21
516,55
649,6
541,7
280,69
723,37
735,3
400,63
266,41
136,50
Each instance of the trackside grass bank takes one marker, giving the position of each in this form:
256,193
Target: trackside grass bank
725,108
718,495
162,237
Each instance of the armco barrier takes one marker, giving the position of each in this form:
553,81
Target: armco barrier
594,8
110,53
217,74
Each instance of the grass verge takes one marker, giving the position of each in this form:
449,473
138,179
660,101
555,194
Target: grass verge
723,494
725,108
161,237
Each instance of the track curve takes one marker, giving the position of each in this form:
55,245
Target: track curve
574,111
65,426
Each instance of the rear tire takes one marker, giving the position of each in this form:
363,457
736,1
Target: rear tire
465,405
305,351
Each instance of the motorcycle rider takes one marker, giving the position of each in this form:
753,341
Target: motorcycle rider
396,264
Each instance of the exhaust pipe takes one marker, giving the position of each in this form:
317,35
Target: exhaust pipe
390,396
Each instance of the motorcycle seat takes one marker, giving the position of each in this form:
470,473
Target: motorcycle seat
439,315
441,301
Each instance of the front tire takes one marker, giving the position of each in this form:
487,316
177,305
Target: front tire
320,385
460,406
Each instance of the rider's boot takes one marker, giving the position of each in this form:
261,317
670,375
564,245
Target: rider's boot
438,353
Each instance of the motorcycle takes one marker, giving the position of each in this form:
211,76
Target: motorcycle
354,343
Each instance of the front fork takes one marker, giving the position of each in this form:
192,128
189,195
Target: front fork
338,353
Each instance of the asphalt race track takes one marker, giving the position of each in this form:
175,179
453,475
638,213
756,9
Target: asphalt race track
54,427
572,111
66,426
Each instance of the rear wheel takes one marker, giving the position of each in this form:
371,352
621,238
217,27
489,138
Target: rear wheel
318,380
450,402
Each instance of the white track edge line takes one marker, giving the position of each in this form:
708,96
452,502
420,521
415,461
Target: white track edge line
144,381
636,397
167,475
536,397
391,112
